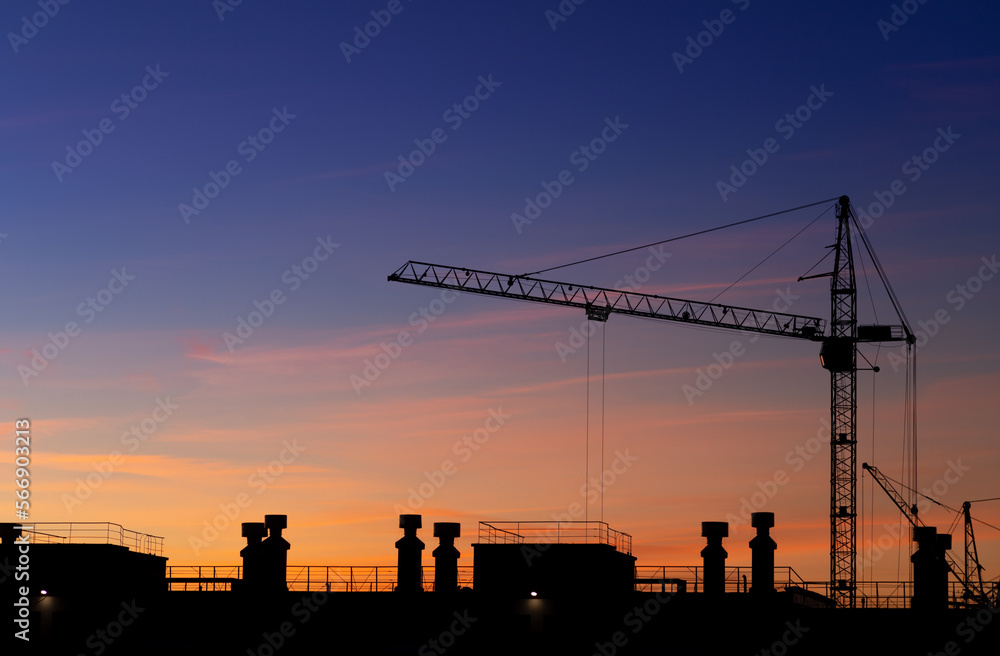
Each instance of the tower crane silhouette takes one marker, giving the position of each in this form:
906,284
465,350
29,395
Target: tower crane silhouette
838,353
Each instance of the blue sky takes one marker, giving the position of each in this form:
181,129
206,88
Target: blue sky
888,96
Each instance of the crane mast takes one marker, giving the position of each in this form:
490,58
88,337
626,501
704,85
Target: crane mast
973,571
838,355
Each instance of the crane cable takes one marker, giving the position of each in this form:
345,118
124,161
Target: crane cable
586,477
910,395
604,340
897,306
773,253
871,483
944,505
586,515
692,234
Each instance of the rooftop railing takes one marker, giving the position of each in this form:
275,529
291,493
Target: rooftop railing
93,533
869,594
542,532
305,578
382,578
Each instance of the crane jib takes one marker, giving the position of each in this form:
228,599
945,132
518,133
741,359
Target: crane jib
599,302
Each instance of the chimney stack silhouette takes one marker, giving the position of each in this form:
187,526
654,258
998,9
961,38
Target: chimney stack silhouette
409,572
930,569
762,559
274,554
714,557
446,556
254,532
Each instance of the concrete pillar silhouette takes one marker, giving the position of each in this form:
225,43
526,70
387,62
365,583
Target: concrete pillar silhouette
409,572
274,554
254,532
446,556
714,557
762,555
930,569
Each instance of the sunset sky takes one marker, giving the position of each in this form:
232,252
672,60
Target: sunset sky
212,197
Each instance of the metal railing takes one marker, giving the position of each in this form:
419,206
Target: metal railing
869,594
304,578
543,532
94,533
383,578
649,578
202,578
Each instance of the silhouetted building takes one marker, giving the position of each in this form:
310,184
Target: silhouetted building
552,560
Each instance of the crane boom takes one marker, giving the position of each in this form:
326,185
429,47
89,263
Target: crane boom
599,302
909,512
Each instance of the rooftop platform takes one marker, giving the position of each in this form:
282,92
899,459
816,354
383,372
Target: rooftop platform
92,533
542,532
